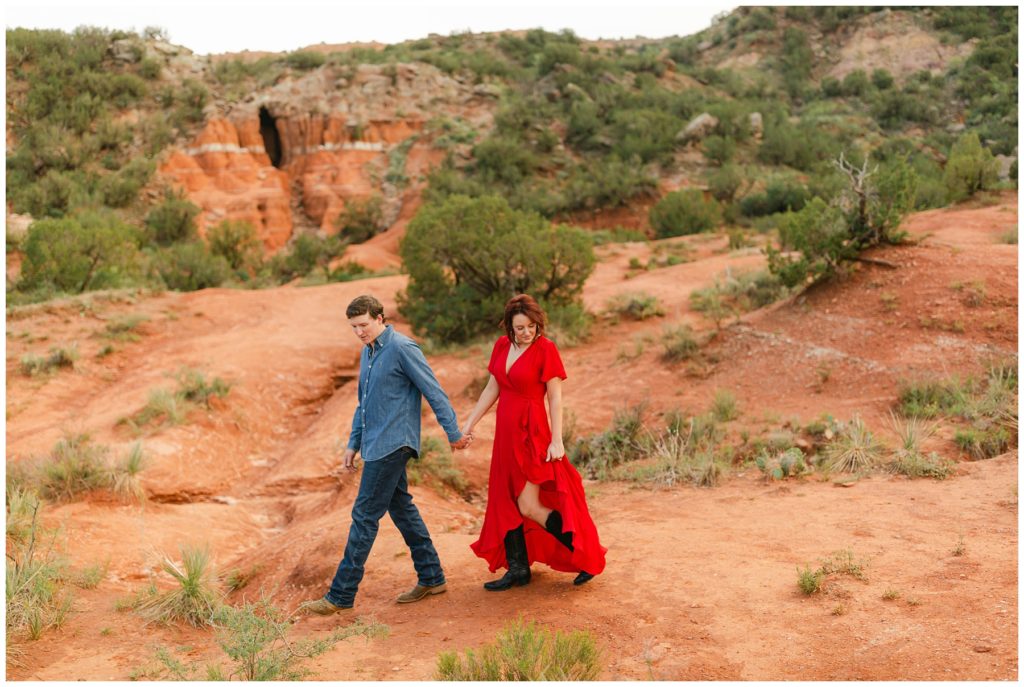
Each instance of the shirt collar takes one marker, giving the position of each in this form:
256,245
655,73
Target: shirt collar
382,340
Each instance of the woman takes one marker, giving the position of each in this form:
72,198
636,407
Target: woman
536,508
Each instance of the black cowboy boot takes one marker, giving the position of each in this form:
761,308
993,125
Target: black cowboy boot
554,526
518,564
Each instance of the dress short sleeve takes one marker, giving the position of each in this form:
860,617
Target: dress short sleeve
497,361
551,362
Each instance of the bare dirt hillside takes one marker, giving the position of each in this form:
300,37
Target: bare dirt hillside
700,584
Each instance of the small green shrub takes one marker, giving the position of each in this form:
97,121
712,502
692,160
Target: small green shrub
809,580
238,243
190,267
723,407
684,212
194,387
523,651
598,455
362,219
304,60
173,220
679,344
982,443
635,306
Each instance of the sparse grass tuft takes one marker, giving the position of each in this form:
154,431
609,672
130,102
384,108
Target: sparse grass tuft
890,594
240,579
194,600
194,387
961,546
254,636
74,466
59,358
854,450
124,328
723,407
679,344
839,563
635,306
523,651
89,578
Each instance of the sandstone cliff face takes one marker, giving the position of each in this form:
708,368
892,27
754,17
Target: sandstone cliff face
288,157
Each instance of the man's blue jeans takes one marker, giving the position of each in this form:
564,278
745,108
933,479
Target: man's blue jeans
384,489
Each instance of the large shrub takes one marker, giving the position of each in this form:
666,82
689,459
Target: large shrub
684,212
74,254
971,168
362,218
173,220
190,267
237,242
467,256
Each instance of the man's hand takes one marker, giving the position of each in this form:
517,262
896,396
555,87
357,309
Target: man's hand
349,460
462,443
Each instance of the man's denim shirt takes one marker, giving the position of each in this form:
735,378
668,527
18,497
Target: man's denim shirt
393,374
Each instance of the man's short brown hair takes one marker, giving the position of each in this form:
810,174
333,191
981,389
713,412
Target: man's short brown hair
364,305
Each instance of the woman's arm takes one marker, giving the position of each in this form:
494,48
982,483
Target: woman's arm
487,398
556,451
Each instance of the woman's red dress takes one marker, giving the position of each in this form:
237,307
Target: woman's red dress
521,438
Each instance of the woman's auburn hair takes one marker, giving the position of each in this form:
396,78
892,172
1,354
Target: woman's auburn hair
523,305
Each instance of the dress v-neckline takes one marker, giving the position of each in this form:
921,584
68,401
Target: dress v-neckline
508,368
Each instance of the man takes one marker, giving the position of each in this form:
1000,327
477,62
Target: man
393,375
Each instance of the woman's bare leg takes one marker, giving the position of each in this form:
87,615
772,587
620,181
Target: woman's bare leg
530,505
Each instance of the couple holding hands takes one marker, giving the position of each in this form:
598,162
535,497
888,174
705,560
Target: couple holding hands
536,507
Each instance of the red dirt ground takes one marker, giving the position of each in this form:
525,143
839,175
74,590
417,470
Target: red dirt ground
700,584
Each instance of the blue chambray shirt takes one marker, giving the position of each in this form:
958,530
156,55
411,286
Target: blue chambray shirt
393,377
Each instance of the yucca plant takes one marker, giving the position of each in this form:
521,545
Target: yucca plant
855,449
194,600
124,476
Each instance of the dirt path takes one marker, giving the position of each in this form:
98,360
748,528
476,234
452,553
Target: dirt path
701,584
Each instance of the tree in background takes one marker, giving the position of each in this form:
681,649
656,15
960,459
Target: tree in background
971,168
467,256
173,221
362,218
74,254
684,212
236,241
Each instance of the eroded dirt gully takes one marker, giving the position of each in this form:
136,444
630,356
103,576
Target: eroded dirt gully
701,583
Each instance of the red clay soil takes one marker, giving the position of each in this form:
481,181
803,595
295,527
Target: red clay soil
700,584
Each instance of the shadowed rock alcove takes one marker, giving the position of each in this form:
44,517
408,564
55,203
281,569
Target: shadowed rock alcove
271,139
